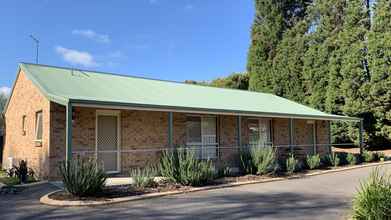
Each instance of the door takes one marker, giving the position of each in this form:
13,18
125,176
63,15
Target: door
107,141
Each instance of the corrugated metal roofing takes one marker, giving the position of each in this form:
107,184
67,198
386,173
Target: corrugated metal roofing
63,85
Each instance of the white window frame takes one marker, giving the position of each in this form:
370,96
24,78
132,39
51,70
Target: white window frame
270,120
118,115
201,144
36,139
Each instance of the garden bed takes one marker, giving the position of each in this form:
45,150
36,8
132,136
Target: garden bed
119,191
126,193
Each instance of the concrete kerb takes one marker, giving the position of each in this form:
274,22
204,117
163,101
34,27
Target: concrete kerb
48,201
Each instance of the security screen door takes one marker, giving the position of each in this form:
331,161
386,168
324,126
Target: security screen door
107,142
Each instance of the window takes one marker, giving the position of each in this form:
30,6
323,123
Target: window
24,125
201,136
259,132
38,126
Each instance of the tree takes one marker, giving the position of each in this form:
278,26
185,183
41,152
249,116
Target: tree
3,102
233,81
379,50
272,19
288,64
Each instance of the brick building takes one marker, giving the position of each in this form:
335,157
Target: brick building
55,114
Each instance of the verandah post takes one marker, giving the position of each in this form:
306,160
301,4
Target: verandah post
68,132
170,129
239,131
290,129
361,127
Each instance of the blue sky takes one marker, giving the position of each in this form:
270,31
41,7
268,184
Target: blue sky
165,39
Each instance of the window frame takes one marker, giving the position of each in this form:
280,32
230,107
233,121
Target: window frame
24,130
200,144
37,114
269,143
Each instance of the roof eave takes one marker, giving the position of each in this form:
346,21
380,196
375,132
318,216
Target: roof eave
122,105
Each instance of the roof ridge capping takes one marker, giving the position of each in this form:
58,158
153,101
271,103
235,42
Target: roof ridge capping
142,77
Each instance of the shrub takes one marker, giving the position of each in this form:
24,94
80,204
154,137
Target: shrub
182,167
263,159
21,172
225,171
368,156
333,159
291,164
313,161
246,165
82,177
373,199
381,156
351,158
143,177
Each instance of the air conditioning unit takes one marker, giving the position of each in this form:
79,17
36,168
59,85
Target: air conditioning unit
10,162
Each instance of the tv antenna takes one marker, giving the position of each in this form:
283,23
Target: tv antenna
37,45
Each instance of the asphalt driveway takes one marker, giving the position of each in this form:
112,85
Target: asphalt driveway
319,197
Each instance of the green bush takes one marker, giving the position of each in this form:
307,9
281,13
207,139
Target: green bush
368,156
291,164
333,159
143,177
82,177
381,156
263,159
373,199
246,165
351,158
182,167
313,161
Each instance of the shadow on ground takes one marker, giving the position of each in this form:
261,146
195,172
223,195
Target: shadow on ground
206,205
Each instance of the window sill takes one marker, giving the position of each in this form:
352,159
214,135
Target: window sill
38,143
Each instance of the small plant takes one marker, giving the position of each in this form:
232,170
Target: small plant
182,167
373,199
82,177
224,172
143,177
291,164
368,156
313,161
351,158
21,172
263,159
381,156
333,159
246,162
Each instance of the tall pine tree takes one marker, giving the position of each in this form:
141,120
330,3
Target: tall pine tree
379,48
272,19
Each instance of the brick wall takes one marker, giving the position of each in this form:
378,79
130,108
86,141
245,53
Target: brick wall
26,99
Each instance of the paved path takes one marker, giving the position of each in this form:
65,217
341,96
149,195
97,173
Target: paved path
319,197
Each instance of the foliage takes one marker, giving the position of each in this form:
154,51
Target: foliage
291,164
381,156
181,166
373,199
143,177
333,159
332,55
82,177
313,161
21,172
225,171
368,156
233,81
258,160
246,165
351,158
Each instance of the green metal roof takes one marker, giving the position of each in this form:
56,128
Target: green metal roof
63,85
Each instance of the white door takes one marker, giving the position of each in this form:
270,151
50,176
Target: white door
107,141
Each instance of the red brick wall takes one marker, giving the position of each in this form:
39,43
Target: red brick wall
26,99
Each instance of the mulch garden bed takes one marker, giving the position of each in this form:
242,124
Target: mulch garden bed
111,192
